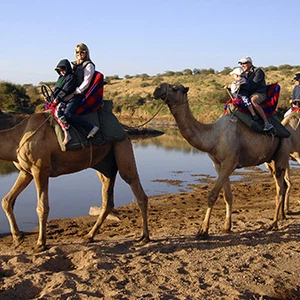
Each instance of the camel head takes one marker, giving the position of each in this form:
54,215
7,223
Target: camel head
171,93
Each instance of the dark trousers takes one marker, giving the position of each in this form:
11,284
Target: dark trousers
74,119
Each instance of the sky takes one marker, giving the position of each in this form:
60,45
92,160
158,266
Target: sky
138,36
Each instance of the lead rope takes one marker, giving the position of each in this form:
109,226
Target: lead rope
159,108
33,133
143,124
91,155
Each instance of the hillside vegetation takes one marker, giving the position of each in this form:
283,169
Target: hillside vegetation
133,96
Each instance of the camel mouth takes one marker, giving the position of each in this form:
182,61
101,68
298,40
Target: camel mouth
159,93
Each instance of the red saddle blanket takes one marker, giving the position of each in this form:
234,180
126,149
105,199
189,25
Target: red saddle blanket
93,99
269,105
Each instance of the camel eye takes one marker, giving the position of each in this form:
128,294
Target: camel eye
175,87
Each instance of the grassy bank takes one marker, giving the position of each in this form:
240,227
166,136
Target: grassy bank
133,98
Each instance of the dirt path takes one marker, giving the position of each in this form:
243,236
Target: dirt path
249,263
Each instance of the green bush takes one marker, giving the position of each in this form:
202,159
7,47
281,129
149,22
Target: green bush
144,84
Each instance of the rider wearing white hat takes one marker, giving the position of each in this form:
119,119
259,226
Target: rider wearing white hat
257,87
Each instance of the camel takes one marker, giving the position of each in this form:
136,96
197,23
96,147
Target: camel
33,147
230,145
291,122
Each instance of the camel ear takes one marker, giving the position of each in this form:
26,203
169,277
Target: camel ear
175,87
186,89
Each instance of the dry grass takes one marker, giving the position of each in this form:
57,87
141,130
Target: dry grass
133,98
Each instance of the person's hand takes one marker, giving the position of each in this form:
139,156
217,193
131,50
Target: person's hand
291,101
70,96
55,101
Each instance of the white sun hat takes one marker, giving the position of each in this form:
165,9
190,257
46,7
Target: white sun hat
237,71
245,60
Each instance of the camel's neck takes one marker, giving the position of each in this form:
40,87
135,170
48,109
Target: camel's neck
9,143
197,134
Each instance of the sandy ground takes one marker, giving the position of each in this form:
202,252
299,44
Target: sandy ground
249,263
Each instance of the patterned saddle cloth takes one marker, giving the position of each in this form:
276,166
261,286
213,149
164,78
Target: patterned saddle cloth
110,129
237,107
269,105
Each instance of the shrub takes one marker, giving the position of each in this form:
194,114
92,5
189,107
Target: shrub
144,84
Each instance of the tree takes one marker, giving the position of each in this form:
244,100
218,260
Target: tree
187,72
13,98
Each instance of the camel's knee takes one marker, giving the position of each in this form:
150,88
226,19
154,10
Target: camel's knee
211,199
42,210
107,208
6,204
143,201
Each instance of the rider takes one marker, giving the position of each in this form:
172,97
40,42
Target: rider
239,88
257,88
295,102
84,70
64,85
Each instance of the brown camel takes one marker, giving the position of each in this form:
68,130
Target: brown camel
230,144
291,122
32,146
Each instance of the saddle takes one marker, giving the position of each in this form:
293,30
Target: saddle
110,129
238,108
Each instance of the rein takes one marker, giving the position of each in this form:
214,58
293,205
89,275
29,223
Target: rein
143,124
91,155
154,115
33,133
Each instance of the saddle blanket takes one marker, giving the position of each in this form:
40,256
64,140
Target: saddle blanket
257,126
110,129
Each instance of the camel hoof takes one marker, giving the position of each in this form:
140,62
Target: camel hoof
144,239
202,235
39,248
88,239
273,226
281,217
19,239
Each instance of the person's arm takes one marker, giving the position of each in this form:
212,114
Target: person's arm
89,71
67,89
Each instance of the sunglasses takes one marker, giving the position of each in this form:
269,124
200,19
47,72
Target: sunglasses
244,63
80,52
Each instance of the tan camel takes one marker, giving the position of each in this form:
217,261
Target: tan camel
230,145
32,146
291,122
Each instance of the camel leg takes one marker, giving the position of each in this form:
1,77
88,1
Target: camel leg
288,190
223,180
128,172
296,157
8,203
42,187
107,204
280,196
228,202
